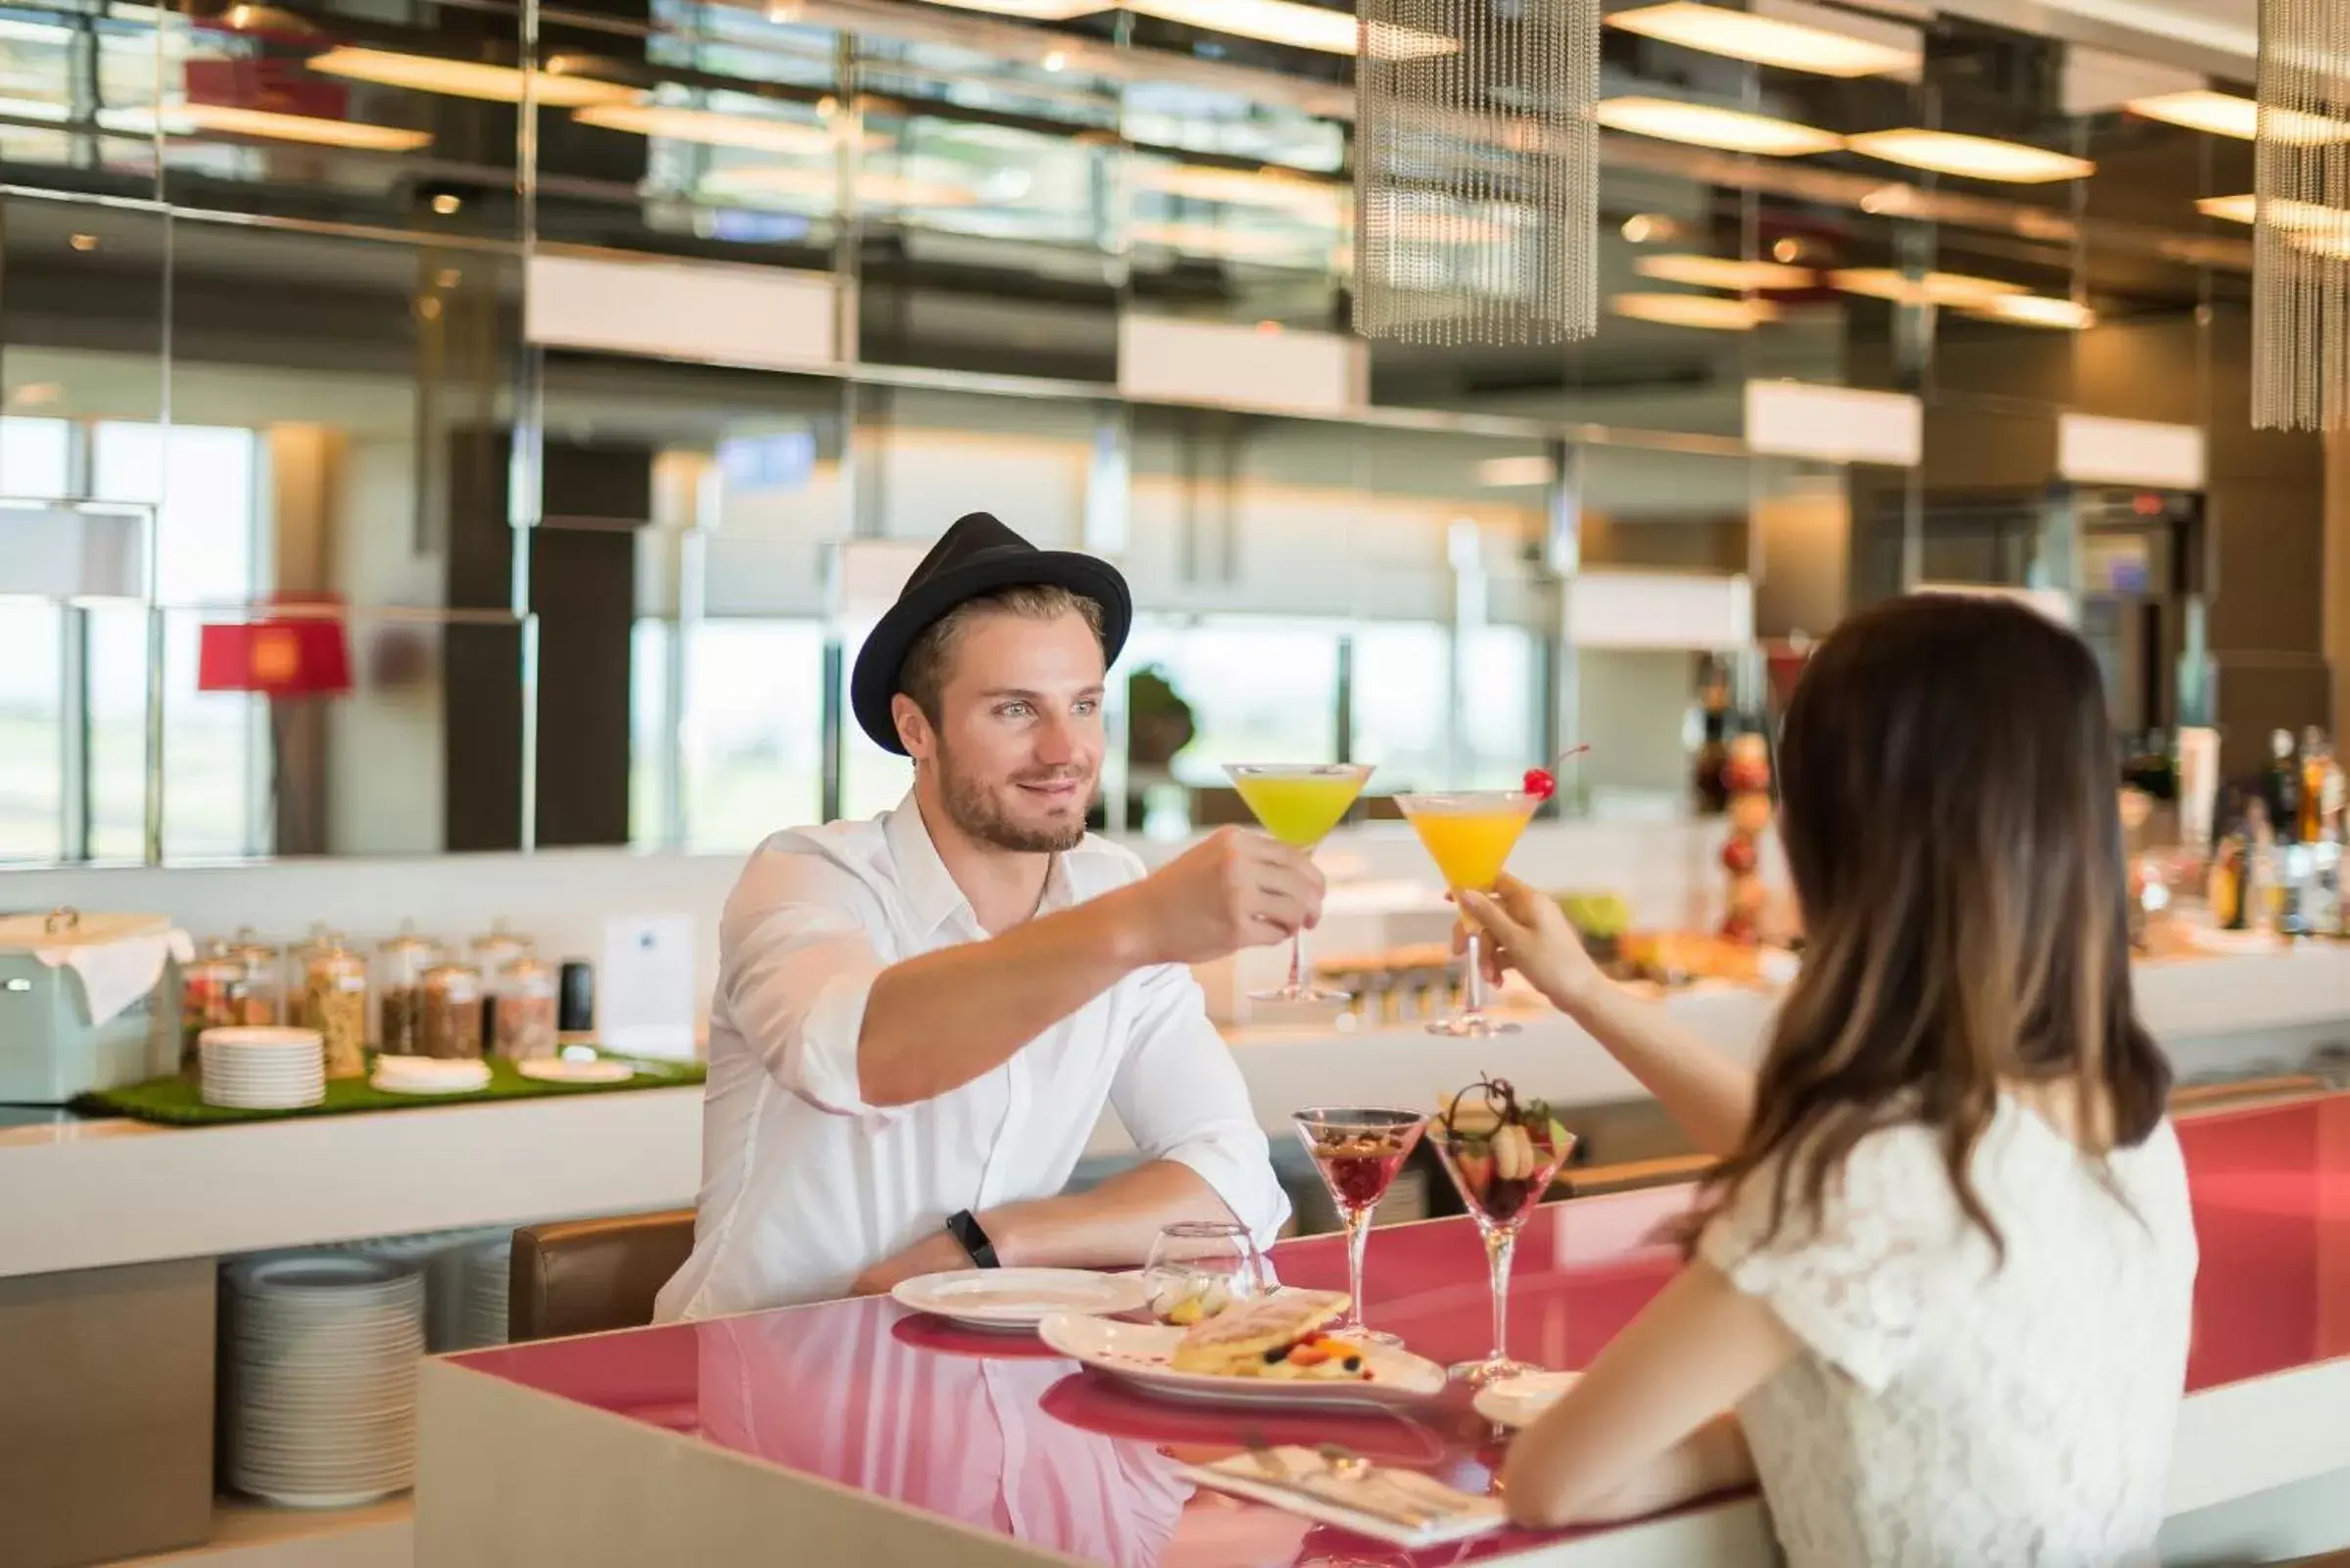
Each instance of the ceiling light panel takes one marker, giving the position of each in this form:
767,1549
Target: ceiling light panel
1728,130
1970,157
1767,40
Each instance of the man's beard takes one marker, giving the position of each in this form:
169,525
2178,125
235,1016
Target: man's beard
977,815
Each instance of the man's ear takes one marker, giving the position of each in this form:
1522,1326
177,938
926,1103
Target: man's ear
913,726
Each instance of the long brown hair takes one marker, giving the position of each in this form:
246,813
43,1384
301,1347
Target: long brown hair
1948,808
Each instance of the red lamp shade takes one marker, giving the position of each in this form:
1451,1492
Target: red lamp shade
293,656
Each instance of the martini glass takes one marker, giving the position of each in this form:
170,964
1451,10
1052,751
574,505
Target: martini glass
1471,1148
1469,836
1358,1153
1299,804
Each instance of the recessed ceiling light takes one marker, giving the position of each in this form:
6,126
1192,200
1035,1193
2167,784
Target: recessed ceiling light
822,185
1709,311
83,242
708,126
1766,40
1508,472
2226,115
1721,272
1973,157
1703,125
1930,288
2284,214
466,78
1242,187
2038,311
1301,27
1034,9
446,203
1207,239
1786,249
1641,227
231,120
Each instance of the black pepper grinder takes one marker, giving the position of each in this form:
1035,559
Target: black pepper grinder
575,1004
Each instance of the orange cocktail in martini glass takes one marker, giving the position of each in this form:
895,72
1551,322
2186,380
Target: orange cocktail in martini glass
1469,836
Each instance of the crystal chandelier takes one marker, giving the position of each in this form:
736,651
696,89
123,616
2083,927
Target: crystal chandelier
1476,170
2301,235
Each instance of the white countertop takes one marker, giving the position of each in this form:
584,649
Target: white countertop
96,1194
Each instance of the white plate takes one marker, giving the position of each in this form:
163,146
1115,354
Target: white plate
560,1070
413,1085
1137,1355
1020,1298
1514,1401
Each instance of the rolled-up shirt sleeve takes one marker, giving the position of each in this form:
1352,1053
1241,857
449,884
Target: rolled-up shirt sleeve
796,964
1181,1097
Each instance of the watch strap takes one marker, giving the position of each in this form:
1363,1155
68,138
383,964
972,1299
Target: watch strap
964,1228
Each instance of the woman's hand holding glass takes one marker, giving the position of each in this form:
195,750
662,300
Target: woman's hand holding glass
1528,932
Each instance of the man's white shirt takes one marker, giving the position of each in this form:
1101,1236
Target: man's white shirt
805,1184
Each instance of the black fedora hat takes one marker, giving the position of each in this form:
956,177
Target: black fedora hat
975,555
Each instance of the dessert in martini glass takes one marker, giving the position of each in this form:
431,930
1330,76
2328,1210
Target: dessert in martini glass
1358,1151
1501,1153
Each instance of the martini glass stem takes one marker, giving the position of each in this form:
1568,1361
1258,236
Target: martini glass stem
1297,961
1500,1246
1472,984
1358,1241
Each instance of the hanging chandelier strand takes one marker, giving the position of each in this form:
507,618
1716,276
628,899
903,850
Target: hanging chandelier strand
1476,170
2301,236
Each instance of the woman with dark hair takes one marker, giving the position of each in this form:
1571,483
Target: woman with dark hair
1944,1271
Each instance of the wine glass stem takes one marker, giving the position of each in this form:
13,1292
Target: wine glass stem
1358,1241
1472,984
1297,961
1500,1245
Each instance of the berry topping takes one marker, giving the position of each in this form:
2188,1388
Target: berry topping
1540,785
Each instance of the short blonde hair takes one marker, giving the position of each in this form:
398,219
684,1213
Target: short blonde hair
923,675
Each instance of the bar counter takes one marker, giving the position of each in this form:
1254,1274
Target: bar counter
855,1432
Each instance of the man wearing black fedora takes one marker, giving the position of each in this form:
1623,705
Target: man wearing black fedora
920,1019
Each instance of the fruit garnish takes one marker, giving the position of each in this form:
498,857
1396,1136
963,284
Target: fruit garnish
1540,785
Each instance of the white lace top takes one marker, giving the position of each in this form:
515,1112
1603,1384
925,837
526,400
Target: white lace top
1942,1414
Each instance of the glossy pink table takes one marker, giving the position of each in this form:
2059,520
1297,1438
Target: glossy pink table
1002,1443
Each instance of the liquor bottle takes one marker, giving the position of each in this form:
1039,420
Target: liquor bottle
2315,759
2263,898
2223,887
2283,789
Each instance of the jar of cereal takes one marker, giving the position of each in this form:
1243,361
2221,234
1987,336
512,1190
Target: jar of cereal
451,1011
334,1002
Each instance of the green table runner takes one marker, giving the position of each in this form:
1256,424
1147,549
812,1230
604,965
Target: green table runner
177,1102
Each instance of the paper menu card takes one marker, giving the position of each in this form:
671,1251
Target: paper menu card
644,995
1402,1507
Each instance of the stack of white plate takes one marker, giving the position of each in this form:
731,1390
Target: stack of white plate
488,1276
425,1074
319,1375
258,1068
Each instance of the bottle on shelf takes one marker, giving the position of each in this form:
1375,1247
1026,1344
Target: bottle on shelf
2261,900
2223,887
2282,790
2316,758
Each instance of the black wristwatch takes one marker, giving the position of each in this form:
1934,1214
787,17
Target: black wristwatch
964,1228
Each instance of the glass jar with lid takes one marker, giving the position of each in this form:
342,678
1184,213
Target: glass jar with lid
261,991
451,1004
333,1000
522,1010
401,964
490,952
212,996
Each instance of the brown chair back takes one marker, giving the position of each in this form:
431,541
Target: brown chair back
588,1276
